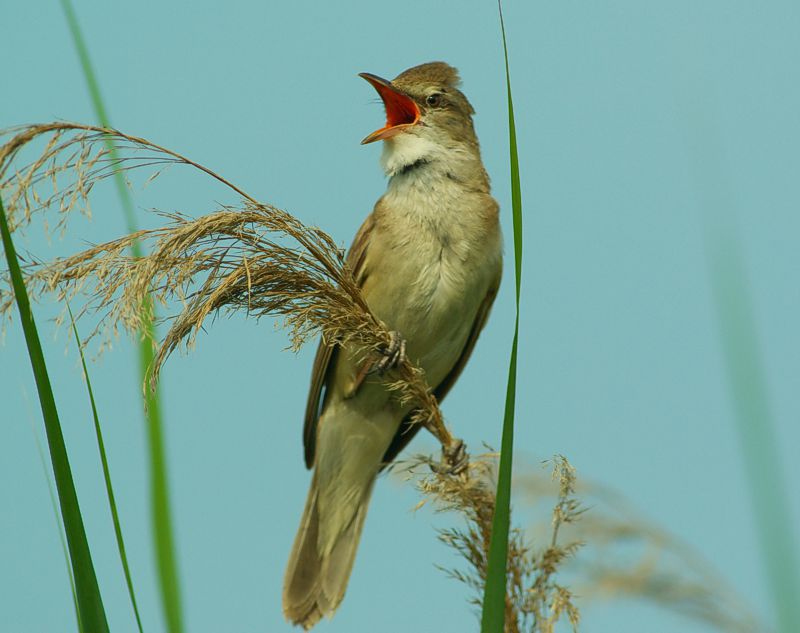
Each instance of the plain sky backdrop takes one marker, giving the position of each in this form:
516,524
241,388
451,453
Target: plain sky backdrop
620,362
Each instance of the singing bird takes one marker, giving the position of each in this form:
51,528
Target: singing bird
428,260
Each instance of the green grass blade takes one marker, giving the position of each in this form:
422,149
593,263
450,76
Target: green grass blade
90,603
162,522
54,504
493,614
736,325
100,112
107,476
159,494
755,424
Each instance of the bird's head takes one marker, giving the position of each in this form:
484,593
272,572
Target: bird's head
427,116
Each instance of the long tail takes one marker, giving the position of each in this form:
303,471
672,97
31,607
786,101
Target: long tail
319,568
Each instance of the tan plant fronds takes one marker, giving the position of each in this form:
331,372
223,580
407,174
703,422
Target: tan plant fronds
262,261
627,557
252,257
535,601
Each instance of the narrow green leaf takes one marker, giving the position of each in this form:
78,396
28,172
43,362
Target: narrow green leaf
742,356
493,615
101,447
59,528
90,603
159,491
100,112
162,522
754,422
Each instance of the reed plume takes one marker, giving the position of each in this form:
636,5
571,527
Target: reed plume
252,257
255,258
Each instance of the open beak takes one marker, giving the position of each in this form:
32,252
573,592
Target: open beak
401,111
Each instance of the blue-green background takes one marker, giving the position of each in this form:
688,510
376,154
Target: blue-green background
620,363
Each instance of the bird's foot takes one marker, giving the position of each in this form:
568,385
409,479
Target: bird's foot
393,356
454,459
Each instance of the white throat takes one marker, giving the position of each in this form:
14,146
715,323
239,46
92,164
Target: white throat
403,150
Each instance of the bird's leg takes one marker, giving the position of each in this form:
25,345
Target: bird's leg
393,356
454,459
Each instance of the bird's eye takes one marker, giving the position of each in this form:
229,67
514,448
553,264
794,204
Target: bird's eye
434,100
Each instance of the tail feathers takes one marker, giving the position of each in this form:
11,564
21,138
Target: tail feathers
301,582
315,581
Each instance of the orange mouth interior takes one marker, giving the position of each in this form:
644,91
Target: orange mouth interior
401,111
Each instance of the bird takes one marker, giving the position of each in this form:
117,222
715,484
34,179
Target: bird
428,261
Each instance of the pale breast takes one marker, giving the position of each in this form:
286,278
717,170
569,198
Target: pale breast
433,258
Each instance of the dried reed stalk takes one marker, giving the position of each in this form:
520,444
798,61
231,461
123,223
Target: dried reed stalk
253,257
535,601
257,258
626,556
262,260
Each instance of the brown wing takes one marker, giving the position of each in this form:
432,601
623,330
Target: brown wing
408,430
325,359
